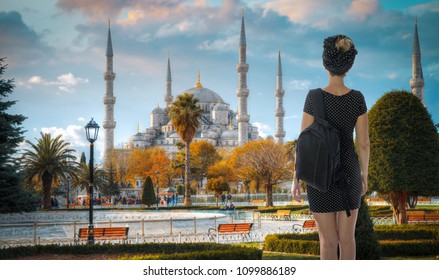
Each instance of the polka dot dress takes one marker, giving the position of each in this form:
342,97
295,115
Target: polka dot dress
342,113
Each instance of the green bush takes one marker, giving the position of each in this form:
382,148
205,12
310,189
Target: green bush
148,248
236,253
287,243
395,241
398,248
408,232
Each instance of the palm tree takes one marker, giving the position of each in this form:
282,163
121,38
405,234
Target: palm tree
184,114
82,178
47,162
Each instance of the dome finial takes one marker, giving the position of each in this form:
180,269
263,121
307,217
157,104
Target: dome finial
231,124
138,126
242,12
109,23
198,84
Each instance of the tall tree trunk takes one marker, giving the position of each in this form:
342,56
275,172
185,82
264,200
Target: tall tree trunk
187,183
269,195
47,179
398,200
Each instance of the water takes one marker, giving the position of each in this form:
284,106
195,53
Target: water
64,224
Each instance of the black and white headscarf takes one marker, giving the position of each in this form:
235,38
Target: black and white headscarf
335,61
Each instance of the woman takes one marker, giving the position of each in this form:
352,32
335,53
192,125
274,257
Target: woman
345,109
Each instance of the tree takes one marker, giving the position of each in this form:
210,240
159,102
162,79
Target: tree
404,158
81,179
13,198
83,159
367,244
184,114
218,177
110,186
47,162
264,161
203,155
141,163
148,195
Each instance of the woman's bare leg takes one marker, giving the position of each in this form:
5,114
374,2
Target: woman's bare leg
328,235
346,234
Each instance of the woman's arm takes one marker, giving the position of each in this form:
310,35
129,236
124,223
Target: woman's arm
363,145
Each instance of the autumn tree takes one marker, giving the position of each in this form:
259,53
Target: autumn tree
404,150
203,155
153,162
264,161
218,177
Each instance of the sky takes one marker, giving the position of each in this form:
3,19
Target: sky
55,51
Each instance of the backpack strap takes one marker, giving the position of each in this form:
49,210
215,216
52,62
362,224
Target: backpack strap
317,103
319,115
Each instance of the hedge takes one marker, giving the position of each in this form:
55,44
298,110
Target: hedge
148,248
395,240
235,253
408,232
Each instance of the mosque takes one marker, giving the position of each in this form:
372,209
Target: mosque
219,125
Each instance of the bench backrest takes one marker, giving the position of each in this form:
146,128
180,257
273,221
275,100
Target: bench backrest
241,227
105,232
432,216
309,224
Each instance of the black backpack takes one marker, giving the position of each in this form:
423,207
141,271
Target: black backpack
318,152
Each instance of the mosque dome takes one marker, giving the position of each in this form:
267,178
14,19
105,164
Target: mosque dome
204,95
158,110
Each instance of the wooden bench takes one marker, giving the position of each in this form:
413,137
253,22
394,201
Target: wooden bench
107,233
415,216
281,214
432,217
308,225
241,229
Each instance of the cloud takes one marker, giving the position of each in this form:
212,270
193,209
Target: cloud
433,70
424,8
227,44
361,9
74,134
392,75
65,82
263,129
320,13
299,84
21,44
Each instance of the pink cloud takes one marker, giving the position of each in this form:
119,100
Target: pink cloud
319,13
361,9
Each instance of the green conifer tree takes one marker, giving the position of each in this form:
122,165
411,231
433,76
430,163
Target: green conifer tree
12,197
368,246
148,196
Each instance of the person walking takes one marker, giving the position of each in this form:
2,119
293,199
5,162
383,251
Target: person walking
345,109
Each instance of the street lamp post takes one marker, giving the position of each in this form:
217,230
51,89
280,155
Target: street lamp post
68,190
157,188
91,131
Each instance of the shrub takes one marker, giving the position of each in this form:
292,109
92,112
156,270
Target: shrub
144,249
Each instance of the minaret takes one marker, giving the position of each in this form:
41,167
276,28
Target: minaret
417,81
168,96
109,100
279,134
242,91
